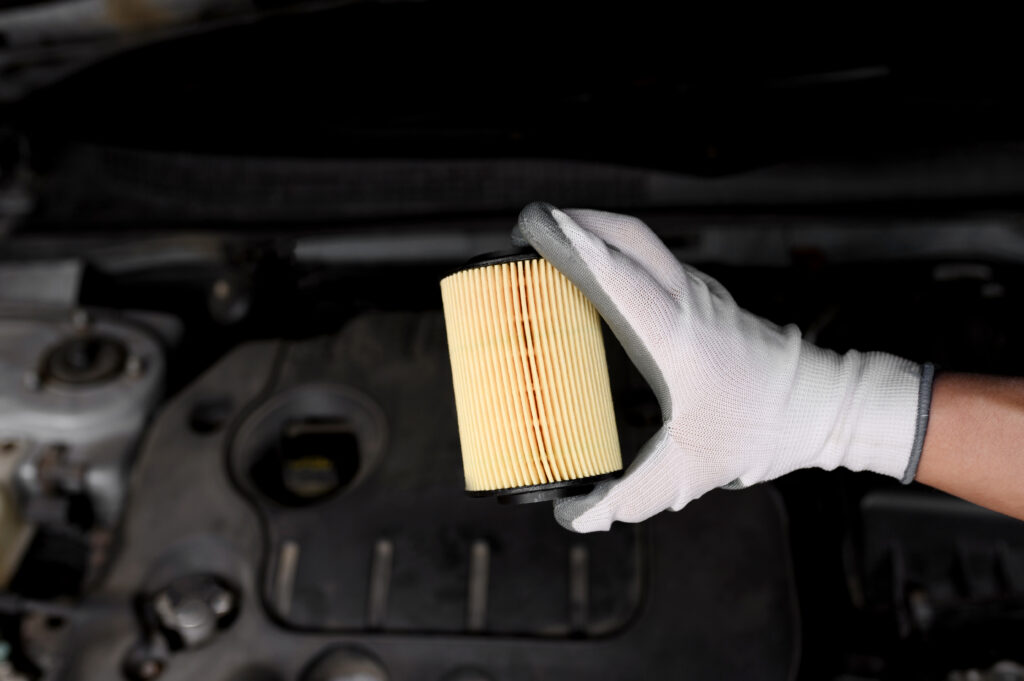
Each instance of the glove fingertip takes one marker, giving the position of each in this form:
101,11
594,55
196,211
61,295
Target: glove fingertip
585,513
517,237
537,226
583,523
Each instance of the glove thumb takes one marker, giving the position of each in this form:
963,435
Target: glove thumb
648,487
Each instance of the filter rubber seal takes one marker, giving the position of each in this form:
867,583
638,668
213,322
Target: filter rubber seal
530,494
496,258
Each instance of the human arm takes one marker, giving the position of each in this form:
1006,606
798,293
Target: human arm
974,447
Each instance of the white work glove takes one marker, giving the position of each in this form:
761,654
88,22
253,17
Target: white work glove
743,400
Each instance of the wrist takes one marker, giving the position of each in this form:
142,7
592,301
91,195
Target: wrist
857,410
891,416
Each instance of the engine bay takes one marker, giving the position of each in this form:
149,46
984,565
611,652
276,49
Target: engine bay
295,503
228,440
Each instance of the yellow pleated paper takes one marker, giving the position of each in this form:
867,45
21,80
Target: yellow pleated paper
531,380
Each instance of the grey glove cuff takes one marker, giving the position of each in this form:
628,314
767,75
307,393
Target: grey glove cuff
924,404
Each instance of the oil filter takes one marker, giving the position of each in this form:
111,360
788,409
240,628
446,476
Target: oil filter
532,394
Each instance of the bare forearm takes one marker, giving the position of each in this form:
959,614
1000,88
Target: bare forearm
974,446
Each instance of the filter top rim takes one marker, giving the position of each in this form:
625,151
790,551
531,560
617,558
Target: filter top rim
496,258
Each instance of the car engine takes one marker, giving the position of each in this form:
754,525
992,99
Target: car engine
228,444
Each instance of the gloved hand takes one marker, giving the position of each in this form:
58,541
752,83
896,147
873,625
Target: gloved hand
743,400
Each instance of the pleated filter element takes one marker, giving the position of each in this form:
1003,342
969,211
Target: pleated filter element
534,402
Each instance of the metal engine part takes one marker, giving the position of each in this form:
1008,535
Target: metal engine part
193,607
346,664
375,565
76,388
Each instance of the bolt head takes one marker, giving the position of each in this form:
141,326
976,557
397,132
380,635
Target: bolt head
222,603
